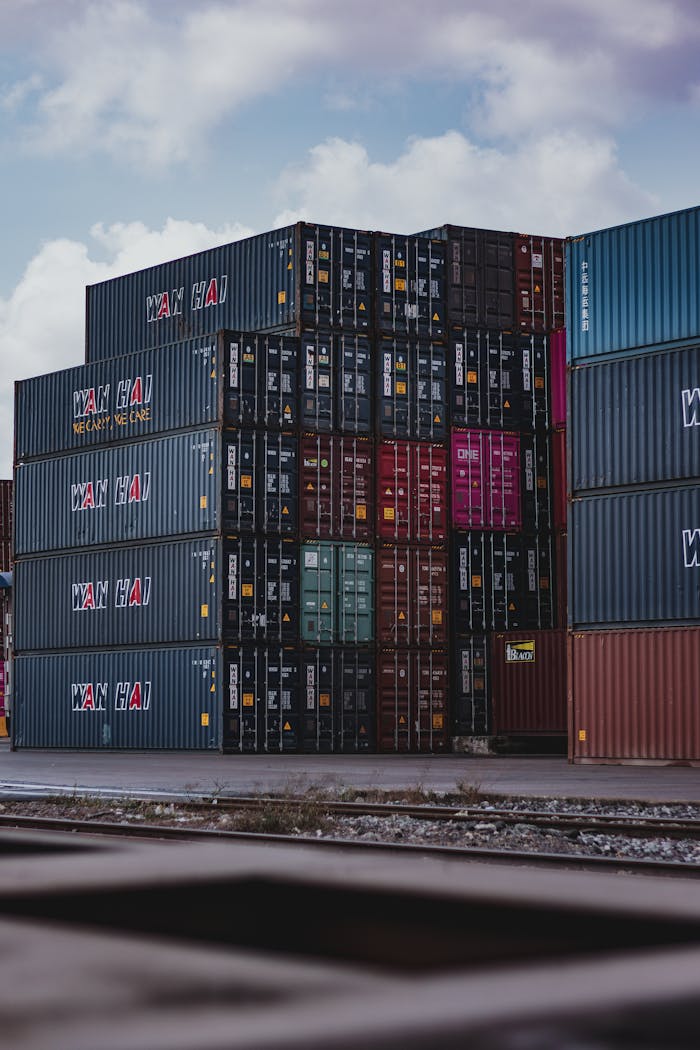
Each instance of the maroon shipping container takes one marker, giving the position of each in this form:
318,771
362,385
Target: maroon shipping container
557,372
539,283
336,499
560,578
411,492
5,510
486,480
559,501
412,700
633,695
528,680
411,596
5,555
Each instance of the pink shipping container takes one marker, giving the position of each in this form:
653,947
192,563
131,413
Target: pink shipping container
633,695
559,502
486,480
557,373
528,681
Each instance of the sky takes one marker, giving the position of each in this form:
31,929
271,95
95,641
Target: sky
135,131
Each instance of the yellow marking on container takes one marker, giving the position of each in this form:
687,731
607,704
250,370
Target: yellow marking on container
248,700
402,616
506,404
402,720
286,727
400,387
437,419
205,718
400,284
324,605
285,618
511,607
437,616
246,481
438,721
282,296
388,514
211,470
324,700
472,377
436,317
539,383
213,689
212,374
361,306
361,512
247,590
582,735
211,579
476,581
204,611
202,502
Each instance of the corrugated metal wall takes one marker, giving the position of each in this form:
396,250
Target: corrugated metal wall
528,674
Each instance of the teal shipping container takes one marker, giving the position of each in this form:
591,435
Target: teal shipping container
337,593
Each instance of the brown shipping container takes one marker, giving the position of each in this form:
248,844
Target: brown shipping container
528,679
559,501
5,555
5,510
411,596
337,487
539,283
411,492
633,695
560,579
412,700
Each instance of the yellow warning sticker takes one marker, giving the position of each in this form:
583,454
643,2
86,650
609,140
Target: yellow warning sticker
205,718
361,512
537,289
400,387
247,590
211,470
476,581
213,689
212,374
310,487
361,306
324,700
472,377
323,276
324,605
436,317
286,727
285,510
402,616
511,607
211,579
402,720
436,419
248,700
202,502
388,492
285,618
323,253
437,616
506,403
438,721
541,483
204,611
388,514
282,296
400,284
582,735
539,383
246,481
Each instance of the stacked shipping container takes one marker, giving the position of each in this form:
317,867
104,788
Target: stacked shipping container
5,567
268,513
634,447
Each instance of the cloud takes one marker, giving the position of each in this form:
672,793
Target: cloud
559,184
42,323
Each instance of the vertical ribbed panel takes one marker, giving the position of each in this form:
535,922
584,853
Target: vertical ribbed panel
634,286
635,559
121,399
168,592
528,674
635,695
247,285
141,698
636,420
160,488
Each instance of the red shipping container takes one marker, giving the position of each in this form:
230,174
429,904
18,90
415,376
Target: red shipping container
633,695
539,283
486,480
528,678
560,579
5,555
412,700
557,373
559,503
411,492
411,596
337,487
5,510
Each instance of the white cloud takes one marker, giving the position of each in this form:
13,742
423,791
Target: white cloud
558,185
42,323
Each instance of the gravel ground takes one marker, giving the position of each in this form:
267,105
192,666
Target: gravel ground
484,831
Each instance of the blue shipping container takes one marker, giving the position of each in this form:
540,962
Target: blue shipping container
139,698
634,286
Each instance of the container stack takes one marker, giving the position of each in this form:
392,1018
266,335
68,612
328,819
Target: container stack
505,296
5,526
633,331
5,567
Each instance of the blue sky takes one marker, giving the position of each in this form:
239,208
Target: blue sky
134,131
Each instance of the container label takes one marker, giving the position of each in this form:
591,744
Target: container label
520,652
691,407
585,316
691,548
310,559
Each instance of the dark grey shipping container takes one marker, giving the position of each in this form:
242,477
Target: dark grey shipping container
635,559
287,279
636,420
260,482
498,379
163,488
471,688
140,698
261,379
336,382
261,590
409,286
337,701
261,699
168,592
411,389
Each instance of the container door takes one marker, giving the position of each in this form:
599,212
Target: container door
318,591
278,479
319,702
279,690
468,584
355,575
317,393
356,488
394,485
468,507
239,478
354,695
430,479
354,381
471,714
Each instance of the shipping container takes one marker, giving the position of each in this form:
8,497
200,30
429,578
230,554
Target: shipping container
471,687
409,285
138,699
501,581
539,283
636,420
336,381
261,379
412,700
5,555
337,700
5,511
411,492
561,579
486,472
127,493
260,699
634,286
337,593
123,596
301,276
559,492
411,389
498,379
557,374
412,596
261,590
480,275
633,695
336,487
528,683
260,482
635,559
